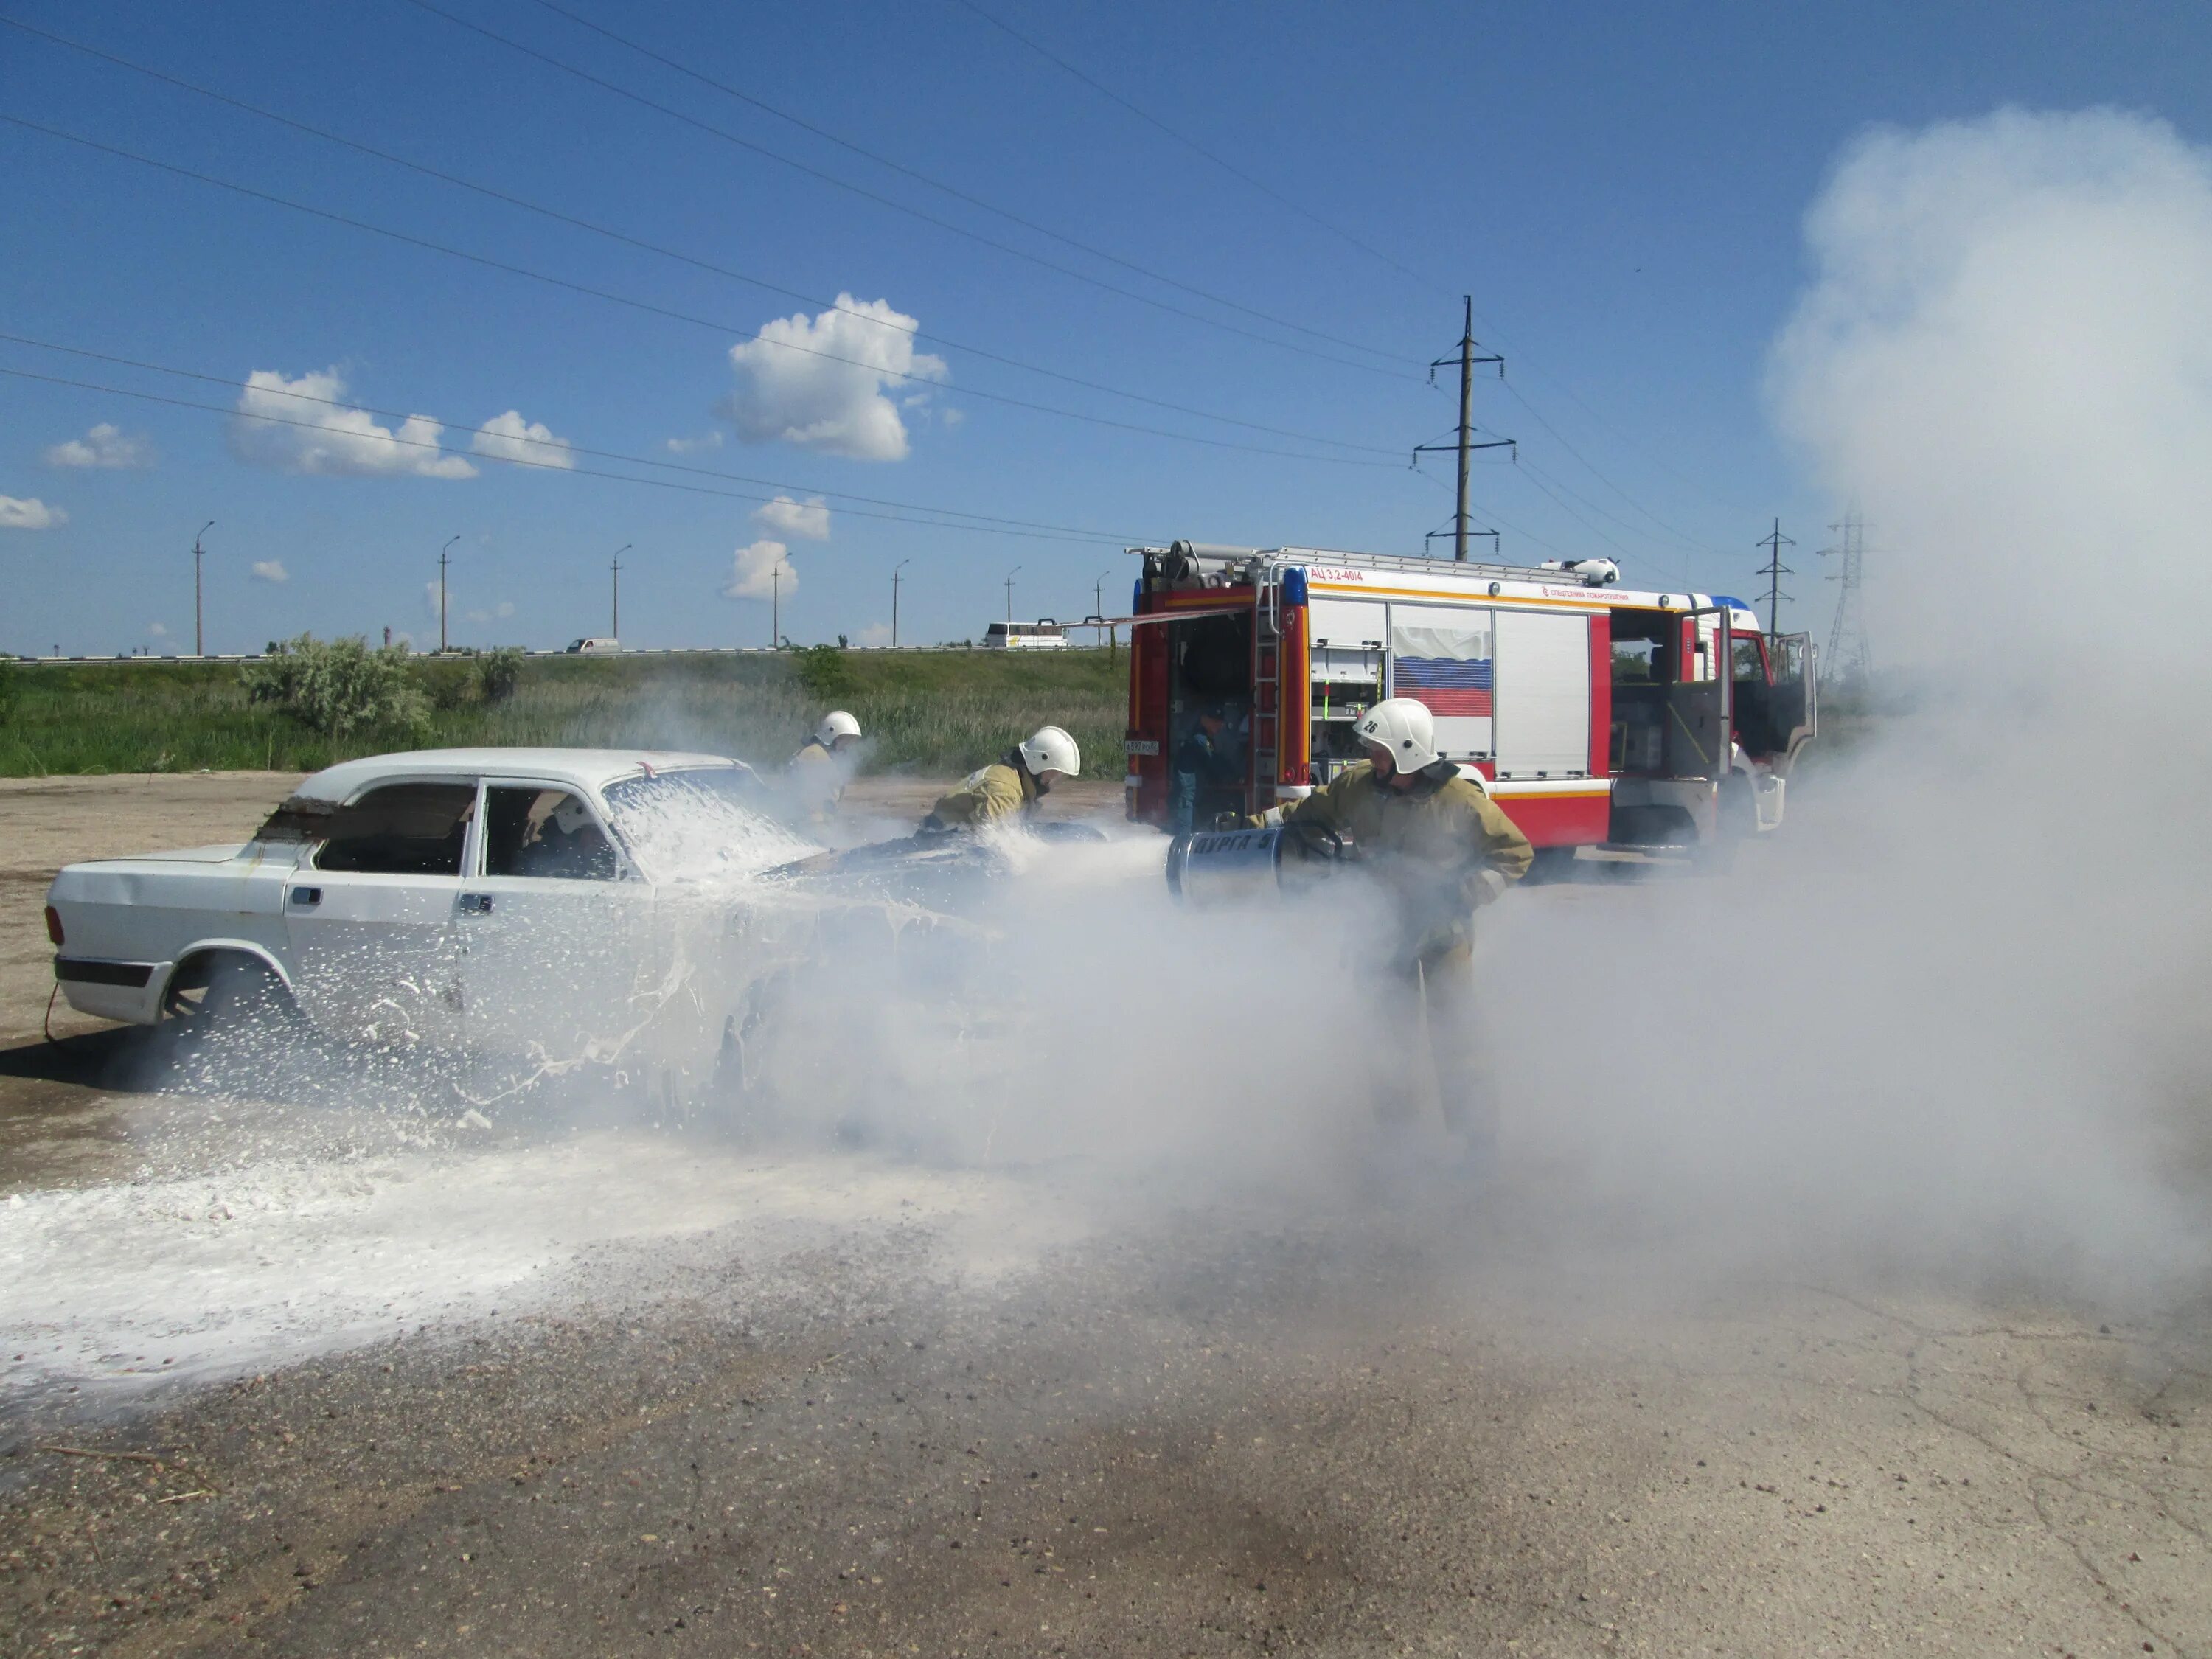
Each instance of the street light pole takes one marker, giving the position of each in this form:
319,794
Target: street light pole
775,605
619,551
199,642
895,569
1011,574
442,561
1098,608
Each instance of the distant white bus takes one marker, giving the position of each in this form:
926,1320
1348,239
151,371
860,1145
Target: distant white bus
1025,636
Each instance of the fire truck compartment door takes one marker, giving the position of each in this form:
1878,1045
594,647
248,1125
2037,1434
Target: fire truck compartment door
1699,704
1543,695
1796,700
1445,656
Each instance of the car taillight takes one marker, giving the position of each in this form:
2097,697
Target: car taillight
53,925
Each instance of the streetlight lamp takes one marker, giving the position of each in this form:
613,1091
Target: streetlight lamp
617,567
895,569
1011,574
199,644
442,561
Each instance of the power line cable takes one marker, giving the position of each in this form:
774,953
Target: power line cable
916,213
719,325
953,190
903,513
1191,144
555,214
1591,467
1675,544
1525,535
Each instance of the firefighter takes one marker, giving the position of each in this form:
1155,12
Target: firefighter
1010,788
1443,850
815,778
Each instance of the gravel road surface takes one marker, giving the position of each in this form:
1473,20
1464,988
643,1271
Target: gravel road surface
282,1381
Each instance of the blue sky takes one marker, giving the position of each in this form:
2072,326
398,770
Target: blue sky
1620,188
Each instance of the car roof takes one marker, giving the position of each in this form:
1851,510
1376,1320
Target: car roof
593,768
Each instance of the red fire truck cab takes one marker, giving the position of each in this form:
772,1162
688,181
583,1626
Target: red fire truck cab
1597,716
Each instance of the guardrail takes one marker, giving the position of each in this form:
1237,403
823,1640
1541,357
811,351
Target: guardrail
454,656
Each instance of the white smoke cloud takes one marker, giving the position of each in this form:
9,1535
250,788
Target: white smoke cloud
17,512
2004,354
508,437
270,570
828,394
754,573
336,439
1955,1005
104,446
807,520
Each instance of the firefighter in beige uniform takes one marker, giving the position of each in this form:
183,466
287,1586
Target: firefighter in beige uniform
1443,850
815,778
1010,788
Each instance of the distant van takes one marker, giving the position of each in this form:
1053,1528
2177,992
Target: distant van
594,647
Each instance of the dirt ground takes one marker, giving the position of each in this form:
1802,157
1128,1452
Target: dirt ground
951,1416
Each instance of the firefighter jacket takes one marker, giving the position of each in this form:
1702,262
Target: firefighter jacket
815,780
1440,846
995,795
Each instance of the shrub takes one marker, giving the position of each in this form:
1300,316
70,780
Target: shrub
338,686
824,673
7,688
497,672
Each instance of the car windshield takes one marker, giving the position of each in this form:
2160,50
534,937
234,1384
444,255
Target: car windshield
701,824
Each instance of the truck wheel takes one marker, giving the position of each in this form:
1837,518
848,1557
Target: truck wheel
1551,864
1735,821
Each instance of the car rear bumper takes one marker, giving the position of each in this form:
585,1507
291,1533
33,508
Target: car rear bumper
128,991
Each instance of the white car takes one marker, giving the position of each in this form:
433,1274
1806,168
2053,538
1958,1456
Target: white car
452,897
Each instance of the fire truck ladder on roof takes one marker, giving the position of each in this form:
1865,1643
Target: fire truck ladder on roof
1271,557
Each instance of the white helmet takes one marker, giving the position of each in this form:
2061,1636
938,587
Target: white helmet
1051,749
835,725
1404,729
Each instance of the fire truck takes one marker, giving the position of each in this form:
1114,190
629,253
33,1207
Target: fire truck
1593,714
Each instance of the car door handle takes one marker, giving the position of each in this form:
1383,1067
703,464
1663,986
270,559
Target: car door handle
307,896
477,903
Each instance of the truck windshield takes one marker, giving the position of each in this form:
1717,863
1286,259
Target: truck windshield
701,824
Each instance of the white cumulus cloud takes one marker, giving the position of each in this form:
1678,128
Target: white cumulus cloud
335,440
159,630
875,633
29,514
105,445
754,573
804,521
819,383
270,570
693,446
508,437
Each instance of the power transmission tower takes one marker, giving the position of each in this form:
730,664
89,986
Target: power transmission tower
1465,443
199,644
1850,653
1774,570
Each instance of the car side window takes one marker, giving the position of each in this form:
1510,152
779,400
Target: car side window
548,833
401,829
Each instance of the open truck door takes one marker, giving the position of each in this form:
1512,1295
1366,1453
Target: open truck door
1700,703
1796,697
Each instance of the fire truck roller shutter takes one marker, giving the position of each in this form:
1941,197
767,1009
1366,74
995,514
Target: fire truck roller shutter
1543,694
1445,657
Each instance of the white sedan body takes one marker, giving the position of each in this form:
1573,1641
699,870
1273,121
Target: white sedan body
500,899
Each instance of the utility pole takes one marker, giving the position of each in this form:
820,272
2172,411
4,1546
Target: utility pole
1774,570
1011,574
199,642
1465,443
1849,633
1098,608
895,569
442,561
615,566
776,603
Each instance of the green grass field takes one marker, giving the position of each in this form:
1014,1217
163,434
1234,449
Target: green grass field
932,712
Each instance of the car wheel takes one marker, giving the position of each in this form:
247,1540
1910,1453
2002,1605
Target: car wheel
226,991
